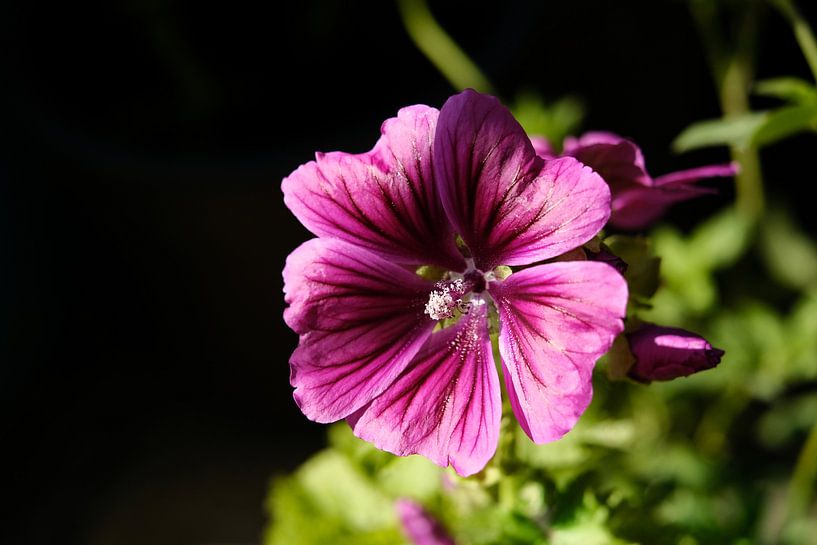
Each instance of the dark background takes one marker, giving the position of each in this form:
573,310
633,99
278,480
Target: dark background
143,372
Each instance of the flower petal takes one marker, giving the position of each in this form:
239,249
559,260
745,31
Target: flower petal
510,206
384,200
542,147
556,320
692,175
640,207
618,160
419,526
446,405
361,322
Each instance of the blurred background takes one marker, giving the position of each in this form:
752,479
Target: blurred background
143,358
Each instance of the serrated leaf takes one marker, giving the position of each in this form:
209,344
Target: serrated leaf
788,88
732,131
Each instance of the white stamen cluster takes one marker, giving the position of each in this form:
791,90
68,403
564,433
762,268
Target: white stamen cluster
443,300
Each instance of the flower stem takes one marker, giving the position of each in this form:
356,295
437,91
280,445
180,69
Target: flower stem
733,72
440,49
802,32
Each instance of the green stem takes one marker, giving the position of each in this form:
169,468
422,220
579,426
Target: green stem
440,49
733,75
802,32
735,102
801,486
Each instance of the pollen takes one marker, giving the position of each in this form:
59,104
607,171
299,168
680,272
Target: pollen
443,300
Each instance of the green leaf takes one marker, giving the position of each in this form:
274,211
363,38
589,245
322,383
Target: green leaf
642,265
785,122
786,419
412,476
553,121
339,490
790,255
590,526
788,88
733,131
298,518
720,240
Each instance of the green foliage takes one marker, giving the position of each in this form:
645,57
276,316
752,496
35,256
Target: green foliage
758,129
731,131
790,256
642,264
794,90
554,121
724,457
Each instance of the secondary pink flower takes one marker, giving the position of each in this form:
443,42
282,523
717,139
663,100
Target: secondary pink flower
665,353
638,198
365,319
419,526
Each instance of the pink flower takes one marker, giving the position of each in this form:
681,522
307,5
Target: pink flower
638,199
368,349
665,353
419,526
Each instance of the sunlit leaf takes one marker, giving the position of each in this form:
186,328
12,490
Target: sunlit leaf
785,122
339,490
731,131
788,88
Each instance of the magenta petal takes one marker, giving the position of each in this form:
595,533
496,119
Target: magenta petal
693,175
556,320
385,200
361,320
510,206
665,353
446,405
419,526
618,160
639,207
542,147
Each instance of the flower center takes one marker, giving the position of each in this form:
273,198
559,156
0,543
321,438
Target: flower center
446,296
455,294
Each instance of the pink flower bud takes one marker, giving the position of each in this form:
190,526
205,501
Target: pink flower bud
665,353
419,526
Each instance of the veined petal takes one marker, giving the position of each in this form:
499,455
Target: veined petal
385,200
446,405
510,206
556,320
361,321
618,160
